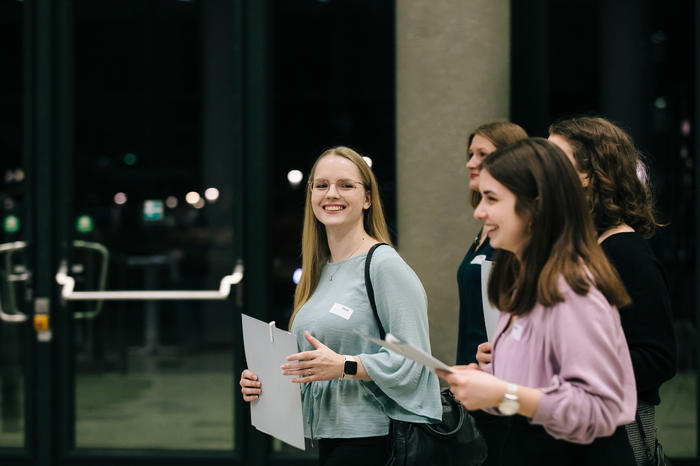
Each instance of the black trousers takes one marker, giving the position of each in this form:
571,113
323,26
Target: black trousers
514,441
367,451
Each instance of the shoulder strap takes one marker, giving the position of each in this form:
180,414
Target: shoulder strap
370,289
640,426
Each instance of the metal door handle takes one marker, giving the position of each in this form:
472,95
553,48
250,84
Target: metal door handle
101,280
15,316
68,294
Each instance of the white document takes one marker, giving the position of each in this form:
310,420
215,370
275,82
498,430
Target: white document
490,313
278,410
408,351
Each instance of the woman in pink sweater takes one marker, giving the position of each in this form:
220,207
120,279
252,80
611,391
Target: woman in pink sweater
560,364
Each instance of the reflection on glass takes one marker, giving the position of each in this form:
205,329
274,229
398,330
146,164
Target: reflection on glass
192,197
676,416
12,192
212,194
153,374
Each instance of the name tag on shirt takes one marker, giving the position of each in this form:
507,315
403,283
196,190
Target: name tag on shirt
478,260
517,332
342,311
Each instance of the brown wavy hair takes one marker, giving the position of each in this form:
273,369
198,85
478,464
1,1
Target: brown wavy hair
562,239
314,243
500,133
606,154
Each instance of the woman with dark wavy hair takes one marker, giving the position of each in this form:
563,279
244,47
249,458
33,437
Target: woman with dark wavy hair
614,180
560,367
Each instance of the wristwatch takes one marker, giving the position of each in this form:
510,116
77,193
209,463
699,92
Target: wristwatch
350,368
510,404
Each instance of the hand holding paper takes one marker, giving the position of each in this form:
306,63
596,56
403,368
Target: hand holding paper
250,385
322,363
409,351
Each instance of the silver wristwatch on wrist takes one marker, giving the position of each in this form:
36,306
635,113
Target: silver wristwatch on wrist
349,368
510,404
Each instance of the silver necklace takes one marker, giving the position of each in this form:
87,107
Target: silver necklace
342,263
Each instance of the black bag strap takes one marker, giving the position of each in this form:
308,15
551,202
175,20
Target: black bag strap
370,289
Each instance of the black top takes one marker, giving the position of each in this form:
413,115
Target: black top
472,329
648,321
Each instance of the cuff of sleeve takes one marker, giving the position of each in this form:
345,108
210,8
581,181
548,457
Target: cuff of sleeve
545,409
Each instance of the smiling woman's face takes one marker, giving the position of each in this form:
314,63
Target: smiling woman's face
505,228
479,148
335,205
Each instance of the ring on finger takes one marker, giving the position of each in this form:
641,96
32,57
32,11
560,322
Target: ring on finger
308,372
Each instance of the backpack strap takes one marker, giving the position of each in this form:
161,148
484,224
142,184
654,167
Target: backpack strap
370,289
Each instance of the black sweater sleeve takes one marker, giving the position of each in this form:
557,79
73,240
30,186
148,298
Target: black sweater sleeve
648,321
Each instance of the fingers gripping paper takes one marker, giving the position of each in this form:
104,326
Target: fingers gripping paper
278,410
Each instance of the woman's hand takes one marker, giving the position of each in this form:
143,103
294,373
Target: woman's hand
473,387
250,386
309,366
483,354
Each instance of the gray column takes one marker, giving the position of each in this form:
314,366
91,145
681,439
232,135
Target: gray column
452,74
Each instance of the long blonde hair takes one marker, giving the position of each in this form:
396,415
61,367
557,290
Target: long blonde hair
314,243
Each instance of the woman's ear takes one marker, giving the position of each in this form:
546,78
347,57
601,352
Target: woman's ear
368,200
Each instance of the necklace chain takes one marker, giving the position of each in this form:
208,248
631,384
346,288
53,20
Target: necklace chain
342,263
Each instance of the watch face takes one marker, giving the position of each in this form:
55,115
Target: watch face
350,367
509,407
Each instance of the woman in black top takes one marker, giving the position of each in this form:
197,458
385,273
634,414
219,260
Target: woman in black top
483,141
472,330
621,204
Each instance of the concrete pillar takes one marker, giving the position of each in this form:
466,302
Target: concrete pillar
452,74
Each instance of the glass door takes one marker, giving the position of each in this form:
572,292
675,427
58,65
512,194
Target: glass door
121,202
153,263
15,351
123,129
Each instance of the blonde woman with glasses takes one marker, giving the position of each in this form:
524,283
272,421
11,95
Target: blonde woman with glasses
350,387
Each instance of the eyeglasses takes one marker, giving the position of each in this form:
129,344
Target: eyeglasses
341,186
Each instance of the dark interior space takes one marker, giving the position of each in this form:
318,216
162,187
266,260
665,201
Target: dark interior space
632,62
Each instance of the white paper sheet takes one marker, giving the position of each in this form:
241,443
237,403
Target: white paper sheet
490,313
278,410
409,351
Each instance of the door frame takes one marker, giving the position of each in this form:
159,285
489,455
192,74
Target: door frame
48,147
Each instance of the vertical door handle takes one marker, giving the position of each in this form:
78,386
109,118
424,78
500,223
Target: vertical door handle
13,315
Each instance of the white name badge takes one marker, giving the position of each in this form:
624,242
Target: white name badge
478,260
517,332
342,311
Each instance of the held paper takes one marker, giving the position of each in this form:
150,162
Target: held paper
408,351
278,410
490,312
